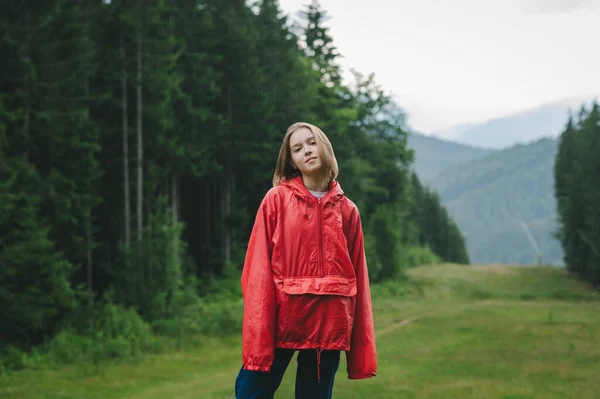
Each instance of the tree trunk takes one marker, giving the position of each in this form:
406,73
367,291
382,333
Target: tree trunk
124,100
228,183
28,84
175,212
207,215
88,227
140,152
90,267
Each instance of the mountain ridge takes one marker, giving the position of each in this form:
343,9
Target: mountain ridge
435,154
545,120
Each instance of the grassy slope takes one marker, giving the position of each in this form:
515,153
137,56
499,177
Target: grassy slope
453,332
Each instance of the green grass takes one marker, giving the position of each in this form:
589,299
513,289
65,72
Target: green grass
446,332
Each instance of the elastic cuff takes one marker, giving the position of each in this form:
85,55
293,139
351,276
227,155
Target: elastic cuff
361,376
250,367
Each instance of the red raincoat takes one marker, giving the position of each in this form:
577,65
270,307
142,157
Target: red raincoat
305,281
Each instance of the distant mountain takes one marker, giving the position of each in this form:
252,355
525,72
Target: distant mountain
489,197
434,155
523,127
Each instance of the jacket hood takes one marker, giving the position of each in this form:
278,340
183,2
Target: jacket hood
334,193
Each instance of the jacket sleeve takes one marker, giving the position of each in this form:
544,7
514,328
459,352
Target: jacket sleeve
362,357
258,290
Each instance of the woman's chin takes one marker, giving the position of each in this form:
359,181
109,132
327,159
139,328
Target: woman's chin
312,171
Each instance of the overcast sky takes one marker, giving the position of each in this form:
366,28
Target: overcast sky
455,61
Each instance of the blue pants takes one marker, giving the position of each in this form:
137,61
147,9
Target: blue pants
312,382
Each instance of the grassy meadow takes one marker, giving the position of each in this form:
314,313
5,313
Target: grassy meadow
445,332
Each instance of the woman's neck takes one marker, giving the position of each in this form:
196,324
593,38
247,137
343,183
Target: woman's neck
315,183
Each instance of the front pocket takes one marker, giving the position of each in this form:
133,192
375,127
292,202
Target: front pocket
328,285
317,310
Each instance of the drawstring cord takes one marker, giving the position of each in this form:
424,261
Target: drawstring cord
319,350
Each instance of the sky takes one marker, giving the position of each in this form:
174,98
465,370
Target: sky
449,62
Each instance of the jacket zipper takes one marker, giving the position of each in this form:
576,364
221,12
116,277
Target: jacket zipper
320,226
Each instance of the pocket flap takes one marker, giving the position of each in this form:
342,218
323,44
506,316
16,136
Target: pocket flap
327,285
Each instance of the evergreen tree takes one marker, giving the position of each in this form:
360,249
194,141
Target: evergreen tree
35,292
288,93
576,174
318,44
432,226
332,109
590,193
67,159
564,166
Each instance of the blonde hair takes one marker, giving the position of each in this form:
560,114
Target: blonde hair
284,169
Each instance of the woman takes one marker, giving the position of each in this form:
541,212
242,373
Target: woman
305,281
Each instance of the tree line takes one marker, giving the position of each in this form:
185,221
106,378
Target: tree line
577,192
137,140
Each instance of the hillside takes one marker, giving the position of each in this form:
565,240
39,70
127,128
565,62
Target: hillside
519,128
488,198
533,329
434,155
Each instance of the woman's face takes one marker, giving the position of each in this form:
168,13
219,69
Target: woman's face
305,153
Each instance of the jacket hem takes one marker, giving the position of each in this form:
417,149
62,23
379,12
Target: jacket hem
308,345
